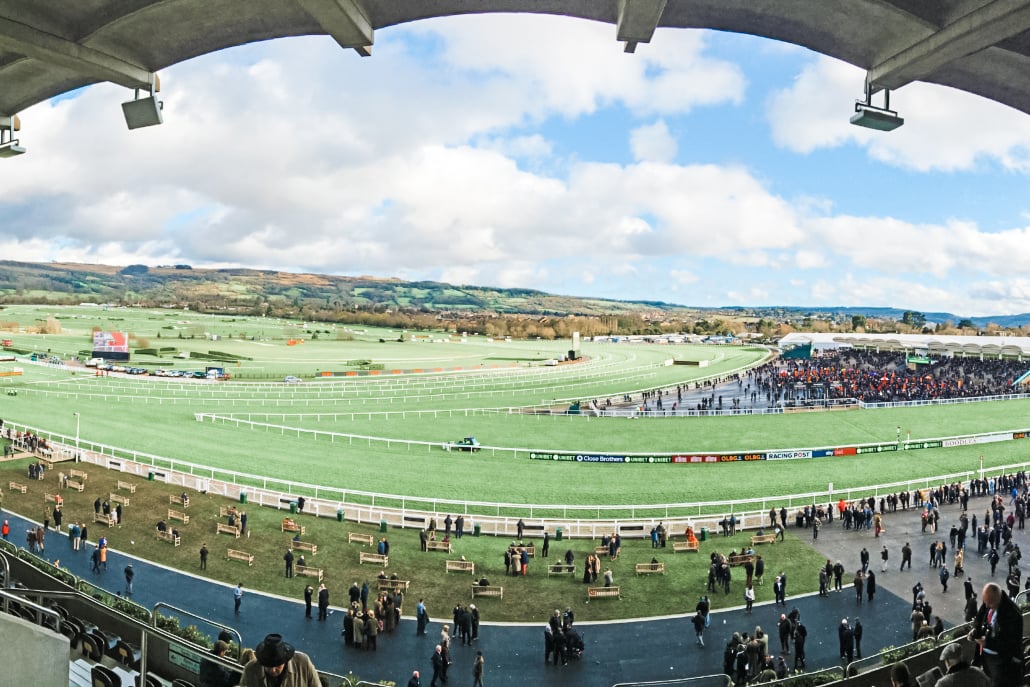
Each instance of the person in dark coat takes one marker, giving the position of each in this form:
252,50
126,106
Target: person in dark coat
323,602
438,666
309,592
288,558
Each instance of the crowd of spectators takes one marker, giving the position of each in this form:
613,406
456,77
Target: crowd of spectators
883,377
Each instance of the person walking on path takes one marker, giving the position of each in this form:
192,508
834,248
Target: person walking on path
237,598
906,556
129,574
309,592
422,616
699,628
883,559
438,665
944,575
477,670
859,583
870,586
203,556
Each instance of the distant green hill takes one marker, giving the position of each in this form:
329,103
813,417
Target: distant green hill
245,290
324,297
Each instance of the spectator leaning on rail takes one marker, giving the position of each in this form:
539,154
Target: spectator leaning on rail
277,663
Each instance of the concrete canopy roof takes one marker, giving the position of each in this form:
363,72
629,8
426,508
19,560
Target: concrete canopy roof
49,47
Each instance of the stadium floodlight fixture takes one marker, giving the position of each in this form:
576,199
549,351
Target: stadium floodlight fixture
8,143
872,117
140,112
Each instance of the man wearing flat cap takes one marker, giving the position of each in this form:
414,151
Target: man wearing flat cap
277,664
959,672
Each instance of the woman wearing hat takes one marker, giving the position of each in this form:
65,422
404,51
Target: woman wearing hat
277,664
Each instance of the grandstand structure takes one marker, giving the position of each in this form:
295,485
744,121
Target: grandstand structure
931,344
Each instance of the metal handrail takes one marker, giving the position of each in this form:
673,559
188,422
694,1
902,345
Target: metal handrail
16,594
719,679
162,604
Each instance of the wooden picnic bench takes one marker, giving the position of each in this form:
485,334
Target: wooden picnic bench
394,585
438,545
17,486
290,526
740,559
460,566
763,539
222,528
308,571
603,592
681,546
128,486
75,484
487,590
226,511
561,569
53,498
600,550
178,515
169,536
78,474
105,519
529,548
377,558
296,544
118,498
183,501
366,539
650,568
234,555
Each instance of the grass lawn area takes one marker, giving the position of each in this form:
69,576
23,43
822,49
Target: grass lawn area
525,598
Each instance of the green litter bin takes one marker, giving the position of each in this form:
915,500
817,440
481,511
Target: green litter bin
557,534
243,497
293,506
150,476
339,515
382,526
704,534
475,530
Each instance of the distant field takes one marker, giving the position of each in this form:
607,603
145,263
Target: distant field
157,417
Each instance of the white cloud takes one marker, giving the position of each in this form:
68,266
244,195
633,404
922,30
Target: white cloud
945,129
653,143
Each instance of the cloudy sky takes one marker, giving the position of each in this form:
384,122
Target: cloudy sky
706,169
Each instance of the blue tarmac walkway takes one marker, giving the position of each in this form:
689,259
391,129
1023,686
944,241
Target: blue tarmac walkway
633,650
